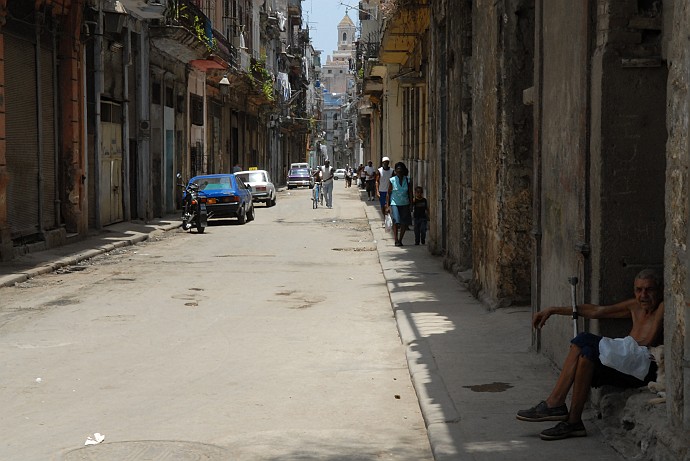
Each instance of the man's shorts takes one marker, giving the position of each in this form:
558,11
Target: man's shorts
603,375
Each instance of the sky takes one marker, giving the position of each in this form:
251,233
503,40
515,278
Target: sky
323,17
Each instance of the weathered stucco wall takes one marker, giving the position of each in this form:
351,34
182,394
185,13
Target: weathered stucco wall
450,140
628,138
602,145
563,103
459,101
502,152
677,230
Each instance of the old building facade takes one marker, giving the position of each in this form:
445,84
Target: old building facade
105,101
552,139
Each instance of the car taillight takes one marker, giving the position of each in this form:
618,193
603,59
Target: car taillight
260,187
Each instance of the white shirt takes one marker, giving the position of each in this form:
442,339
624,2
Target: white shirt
384,178
327,173
370,171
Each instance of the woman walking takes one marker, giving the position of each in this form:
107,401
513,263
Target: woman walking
398,201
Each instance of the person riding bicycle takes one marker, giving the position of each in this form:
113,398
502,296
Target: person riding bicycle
317,195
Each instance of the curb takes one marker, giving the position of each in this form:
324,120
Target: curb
24,275
441,417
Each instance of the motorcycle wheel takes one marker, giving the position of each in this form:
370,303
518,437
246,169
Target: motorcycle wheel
200,228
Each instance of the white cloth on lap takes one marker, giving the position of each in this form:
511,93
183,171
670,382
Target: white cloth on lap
625,355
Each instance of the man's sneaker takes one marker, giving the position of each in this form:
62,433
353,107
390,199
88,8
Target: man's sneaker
563,431
541,412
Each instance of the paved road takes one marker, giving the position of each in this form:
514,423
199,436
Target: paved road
272,340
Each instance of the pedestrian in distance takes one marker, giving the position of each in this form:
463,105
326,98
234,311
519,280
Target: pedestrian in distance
361,175
327,174
420,215
370,178
398,202
348,176
383,176
630,367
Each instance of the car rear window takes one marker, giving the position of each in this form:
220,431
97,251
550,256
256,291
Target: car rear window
214,183
299,172
252,177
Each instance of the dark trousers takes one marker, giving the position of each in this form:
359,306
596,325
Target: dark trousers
420,230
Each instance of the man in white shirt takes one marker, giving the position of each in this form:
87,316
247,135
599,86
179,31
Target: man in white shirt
383,175
370,173
327,173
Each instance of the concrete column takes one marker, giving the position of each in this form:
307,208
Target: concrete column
5,237
143,115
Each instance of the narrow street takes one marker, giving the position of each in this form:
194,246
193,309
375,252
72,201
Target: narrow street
270,340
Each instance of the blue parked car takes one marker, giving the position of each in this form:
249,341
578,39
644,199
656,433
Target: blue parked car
226,196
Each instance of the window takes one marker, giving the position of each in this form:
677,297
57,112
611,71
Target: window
344,36
169,96
196,109
156,92
180,103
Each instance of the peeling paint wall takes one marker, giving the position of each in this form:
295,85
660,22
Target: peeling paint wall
502,152
450,146
677,231
602,148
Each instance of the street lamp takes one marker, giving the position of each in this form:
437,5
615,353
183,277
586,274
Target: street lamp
224,85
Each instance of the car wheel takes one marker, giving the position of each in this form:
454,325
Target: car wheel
250,213
272,202
289,187
242,217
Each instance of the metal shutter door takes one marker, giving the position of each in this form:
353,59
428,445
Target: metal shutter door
21,136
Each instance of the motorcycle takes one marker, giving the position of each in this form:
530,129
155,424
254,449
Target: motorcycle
193,207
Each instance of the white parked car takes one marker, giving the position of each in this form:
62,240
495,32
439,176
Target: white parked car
339,174
263,189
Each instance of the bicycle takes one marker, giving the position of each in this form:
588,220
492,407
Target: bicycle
315,195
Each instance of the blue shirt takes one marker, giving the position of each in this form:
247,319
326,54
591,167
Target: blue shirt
400,194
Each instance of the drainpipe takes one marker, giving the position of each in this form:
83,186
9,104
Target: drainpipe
143,114
39,122
98,134
537,166
83,181
56,129
126,62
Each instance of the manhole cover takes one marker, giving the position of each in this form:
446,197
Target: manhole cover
149,450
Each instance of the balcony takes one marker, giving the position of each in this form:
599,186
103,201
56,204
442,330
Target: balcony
146,9
188,35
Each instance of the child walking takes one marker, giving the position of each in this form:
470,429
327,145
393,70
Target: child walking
420,213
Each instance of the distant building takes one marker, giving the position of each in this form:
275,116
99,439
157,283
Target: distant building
338,80
336,74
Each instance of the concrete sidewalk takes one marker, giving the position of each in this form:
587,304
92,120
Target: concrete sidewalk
111,237
472,368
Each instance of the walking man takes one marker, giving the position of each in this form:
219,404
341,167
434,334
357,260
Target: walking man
370,176
383,175
327,173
